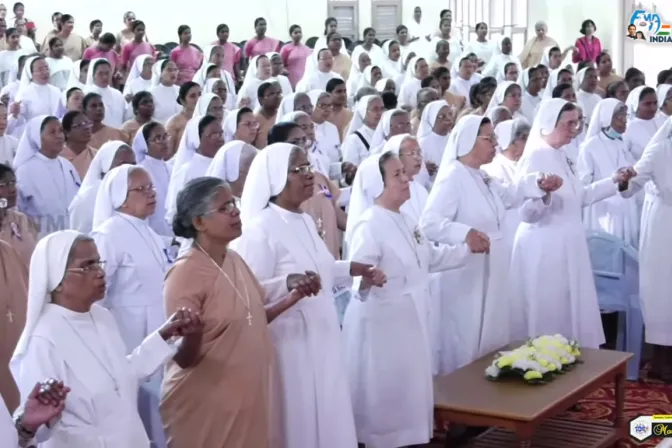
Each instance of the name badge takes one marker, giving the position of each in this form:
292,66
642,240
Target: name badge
325,191
74,179
169,257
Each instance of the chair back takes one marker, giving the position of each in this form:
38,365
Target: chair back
615,266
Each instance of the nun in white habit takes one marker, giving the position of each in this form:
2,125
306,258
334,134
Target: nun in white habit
327,138
112,154
500,59
472,314
14,82
664,95
358,137
75,79
386,329
214,54
140,76
35,96
433,132
164,90
390,68
642,105
280,244
655,263
136,262
463,78
416,71
98,81
70,337
318,78
47,182
585,84
551,241
258,72
509,95
393,122
602,154
150,146
529,102
231,164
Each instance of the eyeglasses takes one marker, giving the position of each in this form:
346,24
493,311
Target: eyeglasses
145,189
303,169
416,153
83,125
489,138
228,207
10,184
93,267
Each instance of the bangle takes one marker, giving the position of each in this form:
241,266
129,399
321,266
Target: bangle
25,435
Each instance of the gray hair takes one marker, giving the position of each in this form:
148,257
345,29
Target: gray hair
540,25
193,201
364,91
520,127
495,112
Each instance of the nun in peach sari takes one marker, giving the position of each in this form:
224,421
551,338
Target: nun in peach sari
15,227
465,205
110,155
386,329
136,262
151,146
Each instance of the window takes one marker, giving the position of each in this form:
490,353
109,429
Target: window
346,12
518,40
497,14
385,16
504,17
520,13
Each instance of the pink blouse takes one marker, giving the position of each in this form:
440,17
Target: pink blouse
587,50
132,50
93,53
188,61
294,57
254,47
232,55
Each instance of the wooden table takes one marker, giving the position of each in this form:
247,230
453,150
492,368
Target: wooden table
522,415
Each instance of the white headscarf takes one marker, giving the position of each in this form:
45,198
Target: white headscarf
366,187
201,75
382,84
524,79
134,73
189,142
157,71
315,96
391,68
663,136
359,114
411,69
506,131
203,103
286,106
100,164
498,97
139,145
209,86
313,64
383,129
47,269
230,125
546,57
252,71
26,75
226,163
266,178
92,70
428,118
633,101
602,116
73,79
460,143
366,78
661,93
544,124
552,83
578,79
30,143
112,193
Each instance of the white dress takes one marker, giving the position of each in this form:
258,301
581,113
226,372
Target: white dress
387,330
136,262
550,266
472,315
86,352
160,174
600,158
504,169
313,391
638,134
165,101
353,148
59,71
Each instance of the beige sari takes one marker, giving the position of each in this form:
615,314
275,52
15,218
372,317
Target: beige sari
81,161
106,134
19,232
265,125
175,127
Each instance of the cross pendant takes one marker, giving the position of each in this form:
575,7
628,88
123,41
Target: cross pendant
249,318
10,316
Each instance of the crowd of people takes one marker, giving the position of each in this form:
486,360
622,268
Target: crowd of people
273,245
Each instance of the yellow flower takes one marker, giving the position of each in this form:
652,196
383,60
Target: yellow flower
532,375
505,361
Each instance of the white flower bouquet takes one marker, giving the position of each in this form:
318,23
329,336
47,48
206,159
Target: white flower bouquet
537,361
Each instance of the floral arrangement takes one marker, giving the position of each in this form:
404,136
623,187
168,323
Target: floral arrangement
537,361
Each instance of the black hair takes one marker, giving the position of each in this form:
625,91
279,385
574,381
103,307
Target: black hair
531,71
94,23
484,121
554,50
84,63
88,98
632,72
70,91
221,27
98,63
257,20
108,39
263,87
583,64
440,71
646,91
56,14
53,41
563,71
18,5
508,65
280,132
9,32
427,82
181,29
445,20
333,83
488,81
242,111
5,170
148,128
384,158
600,56
367,31
69,119
585,25
209,70
444,11
65,18
389,100
294,28
613,87
326,23
137,98
474,93
184,90
46,121
194,200
662,76
330,36
203,123
481,24
557,90
400,28
137,23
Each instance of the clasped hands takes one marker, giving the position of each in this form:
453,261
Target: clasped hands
549,183
623,175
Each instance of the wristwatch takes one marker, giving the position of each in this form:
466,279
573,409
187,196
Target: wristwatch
25,436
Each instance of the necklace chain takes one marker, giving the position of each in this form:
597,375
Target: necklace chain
492,203
244,300
406,237
151,246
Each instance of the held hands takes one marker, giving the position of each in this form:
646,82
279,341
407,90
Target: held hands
549,182
15,109
307,284
294,296
478,242
371,274
623,175
349,170
45,402
432,167
183,322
